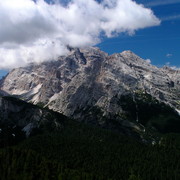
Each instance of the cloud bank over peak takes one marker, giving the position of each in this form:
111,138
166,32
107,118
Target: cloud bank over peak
35,31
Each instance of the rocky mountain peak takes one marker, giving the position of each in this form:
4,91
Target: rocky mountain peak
88,84
128,53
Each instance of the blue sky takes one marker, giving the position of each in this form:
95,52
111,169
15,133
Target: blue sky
3,73
160,44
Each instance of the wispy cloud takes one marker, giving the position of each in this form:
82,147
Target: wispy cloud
148,61
170,18
169,55
168,64
161,3
175,68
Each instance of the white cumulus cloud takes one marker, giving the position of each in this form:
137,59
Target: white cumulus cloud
35,31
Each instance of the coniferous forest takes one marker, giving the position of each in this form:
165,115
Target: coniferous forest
83,152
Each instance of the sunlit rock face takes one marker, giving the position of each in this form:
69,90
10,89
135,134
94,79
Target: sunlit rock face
87,84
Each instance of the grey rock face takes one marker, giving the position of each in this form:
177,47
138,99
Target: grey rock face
14,112
87,83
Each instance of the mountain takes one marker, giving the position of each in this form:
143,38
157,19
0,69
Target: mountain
115,91
19,120
61,148
120,92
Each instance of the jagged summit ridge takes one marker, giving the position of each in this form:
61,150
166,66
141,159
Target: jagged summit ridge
88,78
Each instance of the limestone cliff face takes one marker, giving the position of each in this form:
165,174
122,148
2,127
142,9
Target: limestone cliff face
87,84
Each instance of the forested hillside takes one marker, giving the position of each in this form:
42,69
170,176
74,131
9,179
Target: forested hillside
83,152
